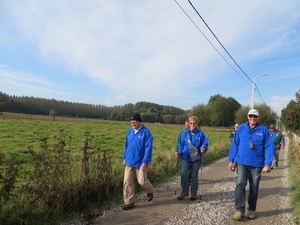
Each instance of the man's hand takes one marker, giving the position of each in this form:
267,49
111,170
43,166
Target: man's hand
202,149
178,156
230,166
124,163
143,167
266,169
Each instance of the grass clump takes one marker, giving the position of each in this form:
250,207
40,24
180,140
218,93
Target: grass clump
294,176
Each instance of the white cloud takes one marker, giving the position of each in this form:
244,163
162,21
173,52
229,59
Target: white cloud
150,50
280,102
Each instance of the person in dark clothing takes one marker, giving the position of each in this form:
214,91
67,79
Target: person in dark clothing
278,143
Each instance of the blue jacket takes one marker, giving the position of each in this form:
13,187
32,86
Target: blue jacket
277,139
138,147
198,139
262,154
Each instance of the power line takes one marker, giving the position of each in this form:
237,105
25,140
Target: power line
218,40
260,95
212,43
220,44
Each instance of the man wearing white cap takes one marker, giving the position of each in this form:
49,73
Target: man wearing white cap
252,148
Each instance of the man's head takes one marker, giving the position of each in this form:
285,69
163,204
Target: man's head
253,116
136,120
272,127
186,124
236,126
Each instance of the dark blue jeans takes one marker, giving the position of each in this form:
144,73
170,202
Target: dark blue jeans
244,174
185,166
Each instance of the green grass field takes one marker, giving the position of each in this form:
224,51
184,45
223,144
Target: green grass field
53,170
17,135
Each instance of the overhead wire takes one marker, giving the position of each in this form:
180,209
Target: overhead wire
224,48
218,40
220,44
210,42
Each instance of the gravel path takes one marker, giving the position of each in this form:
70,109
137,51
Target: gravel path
216,204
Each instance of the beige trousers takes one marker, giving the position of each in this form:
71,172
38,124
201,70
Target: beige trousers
128,184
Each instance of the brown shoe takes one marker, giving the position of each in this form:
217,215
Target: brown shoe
238,216
129,206
149,196
251,214
182,195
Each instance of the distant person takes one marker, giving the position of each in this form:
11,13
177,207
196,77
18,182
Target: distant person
236,126
191,147
136,158
186,127
252,148
278,143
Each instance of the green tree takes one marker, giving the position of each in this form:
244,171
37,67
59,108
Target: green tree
169,119
219,110
180,119
203,114
147,117
266,115
292,117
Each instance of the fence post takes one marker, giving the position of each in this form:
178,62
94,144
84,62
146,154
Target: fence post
83,161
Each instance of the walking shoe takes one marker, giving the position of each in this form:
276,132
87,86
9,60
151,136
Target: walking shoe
129,206
251,214
149,196
182,195
193,197
238,215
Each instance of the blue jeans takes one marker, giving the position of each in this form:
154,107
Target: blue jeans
195,166
244,174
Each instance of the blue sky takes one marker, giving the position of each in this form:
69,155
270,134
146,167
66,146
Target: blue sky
117,52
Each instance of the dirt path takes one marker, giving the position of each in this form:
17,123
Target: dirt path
272,207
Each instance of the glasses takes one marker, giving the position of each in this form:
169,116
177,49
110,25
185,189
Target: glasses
252,116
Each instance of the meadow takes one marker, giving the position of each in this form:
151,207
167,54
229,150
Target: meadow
51,170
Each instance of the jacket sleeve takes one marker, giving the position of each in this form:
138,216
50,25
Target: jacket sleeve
125,145
148,148
204,142
181,142
269,150
233,149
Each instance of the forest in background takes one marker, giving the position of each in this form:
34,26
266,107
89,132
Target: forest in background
218,112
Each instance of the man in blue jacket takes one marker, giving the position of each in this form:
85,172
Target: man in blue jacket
136,158
252,148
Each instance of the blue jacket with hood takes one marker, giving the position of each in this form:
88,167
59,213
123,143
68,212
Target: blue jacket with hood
260,155
138,147
198,139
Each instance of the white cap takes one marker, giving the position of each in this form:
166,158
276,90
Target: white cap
253,112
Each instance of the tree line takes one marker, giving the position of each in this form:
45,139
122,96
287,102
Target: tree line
290,115
218,112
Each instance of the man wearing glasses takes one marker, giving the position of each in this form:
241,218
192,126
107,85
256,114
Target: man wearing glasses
252,148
